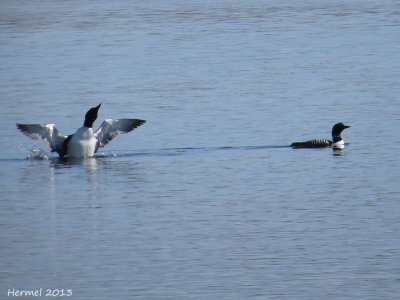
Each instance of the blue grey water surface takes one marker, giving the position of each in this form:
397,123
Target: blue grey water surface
203,202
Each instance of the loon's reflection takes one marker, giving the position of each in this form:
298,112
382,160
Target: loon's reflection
89,163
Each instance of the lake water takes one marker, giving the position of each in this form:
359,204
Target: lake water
203,201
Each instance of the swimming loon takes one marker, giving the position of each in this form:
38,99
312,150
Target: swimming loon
84,142
337,141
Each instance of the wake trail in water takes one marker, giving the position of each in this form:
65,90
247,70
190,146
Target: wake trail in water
40,154
191,150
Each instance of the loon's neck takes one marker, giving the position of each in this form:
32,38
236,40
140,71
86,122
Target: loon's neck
336,138
88,123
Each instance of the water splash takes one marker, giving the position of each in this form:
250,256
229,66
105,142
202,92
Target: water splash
35,153
112,154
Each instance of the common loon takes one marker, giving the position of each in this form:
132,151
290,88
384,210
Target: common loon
336,143
84,142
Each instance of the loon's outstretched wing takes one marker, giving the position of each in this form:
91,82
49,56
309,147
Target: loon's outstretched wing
113,127
47,133
315,143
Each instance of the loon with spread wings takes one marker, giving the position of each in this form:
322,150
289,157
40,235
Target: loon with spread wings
84,142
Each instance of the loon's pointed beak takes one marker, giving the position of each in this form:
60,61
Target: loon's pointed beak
347,126
96,108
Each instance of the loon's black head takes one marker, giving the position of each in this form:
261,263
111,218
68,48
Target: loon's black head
338,128
91,116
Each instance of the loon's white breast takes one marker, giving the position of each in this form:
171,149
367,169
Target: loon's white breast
338,145
82,143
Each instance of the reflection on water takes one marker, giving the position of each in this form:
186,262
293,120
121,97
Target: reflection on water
89,164
338,152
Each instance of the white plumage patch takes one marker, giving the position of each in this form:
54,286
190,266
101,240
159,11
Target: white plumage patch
82,144
338,145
